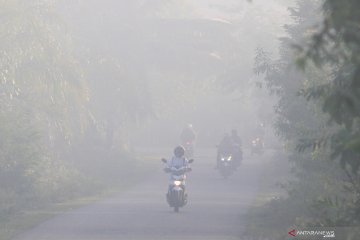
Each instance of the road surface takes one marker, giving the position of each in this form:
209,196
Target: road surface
215,210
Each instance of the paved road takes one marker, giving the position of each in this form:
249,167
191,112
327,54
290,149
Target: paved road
215,210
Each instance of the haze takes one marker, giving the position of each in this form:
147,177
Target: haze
94,94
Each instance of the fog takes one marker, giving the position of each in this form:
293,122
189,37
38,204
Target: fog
197,57
170,119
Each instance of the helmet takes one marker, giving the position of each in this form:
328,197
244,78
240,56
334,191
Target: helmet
179,151
233,132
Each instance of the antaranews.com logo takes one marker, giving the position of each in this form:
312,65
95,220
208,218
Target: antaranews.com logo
312,234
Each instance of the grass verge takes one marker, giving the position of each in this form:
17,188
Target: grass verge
262,219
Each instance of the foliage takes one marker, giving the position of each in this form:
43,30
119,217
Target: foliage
321,135
337,46
66,107
41,107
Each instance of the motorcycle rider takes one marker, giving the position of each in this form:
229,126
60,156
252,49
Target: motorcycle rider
230,144
187,140
257,142
178,160
224,147
188,134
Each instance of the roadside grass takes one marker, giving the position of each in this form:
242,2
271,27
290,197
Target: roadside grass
22,220
278,210
275,174
262,220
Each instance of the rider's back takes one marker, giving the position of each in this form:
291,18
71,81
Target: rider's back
177,162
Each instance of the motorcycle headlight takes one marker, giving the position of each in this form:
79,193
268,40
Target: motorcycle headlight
222,159
177,183
229,158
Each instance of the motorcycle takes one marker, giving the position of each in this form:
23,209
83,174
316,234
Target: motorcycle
226,164
176,195
257,146
229,158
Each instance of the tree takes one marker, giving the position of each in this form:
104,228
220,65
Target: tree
321,193
42,100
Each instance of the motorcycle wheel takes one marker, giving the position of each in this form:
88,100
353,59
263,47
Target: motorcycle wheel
176,209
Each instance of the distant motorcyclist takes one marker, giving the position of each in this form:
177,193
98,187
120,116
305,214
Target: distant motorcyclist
188,134
230,144
188,137
225,147
257,144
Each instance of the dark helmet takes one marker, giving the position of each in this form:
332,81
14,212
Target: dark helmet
179,151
